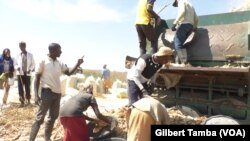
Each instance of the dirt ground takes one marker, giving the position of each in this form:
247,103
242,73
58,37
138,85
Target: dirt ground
15,122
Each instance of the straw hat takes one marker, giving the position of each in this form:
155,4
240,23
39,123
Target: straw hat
164,51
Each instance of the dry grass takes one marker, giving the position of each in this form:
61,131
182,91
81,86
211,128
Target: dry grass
115,75
15,124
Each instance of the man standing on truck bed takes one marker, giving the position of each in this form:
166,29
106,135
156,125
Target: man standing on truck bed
184,24
144,28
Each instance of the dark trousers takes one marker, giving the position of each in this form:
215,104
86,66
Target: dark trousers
50,101
24,81
134,92
146,32
182,33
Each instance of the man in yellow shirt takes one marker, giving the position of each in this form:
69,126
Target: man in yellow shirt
184,24
144,28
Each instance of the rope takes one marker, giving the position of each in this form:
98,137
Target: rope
166,5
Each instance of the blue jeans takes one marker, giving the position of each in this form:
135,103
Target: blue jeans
134,92
182,33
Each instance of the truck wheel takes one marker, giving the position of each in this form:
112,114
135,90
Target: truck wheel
220,120
187,110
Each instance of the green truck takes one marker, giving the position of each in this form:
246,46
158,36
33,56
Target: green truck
218,83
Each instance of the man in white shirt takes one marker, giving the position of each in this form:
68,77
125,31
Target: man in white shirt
24,65
47,76
145,68
184,24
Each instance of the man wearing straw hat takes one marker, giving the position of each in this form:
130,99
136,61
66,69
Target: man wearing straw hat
143,70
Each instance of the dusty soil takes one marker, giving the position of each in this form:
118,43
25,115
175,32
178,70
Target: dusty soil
15,122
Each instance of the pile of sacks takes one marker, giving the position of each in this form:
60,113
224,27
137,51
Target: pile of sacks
71,85
119,89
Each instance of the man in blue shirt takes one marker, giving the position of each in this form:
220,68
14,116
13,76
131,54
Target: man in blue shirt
106,79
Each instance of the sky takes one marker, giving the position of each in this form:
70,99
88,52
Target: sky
101,30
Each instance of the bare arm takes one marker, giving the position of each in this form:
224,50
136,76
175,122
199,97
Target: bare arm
88,118
36,87
79,62
98,114
153,14
151,11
